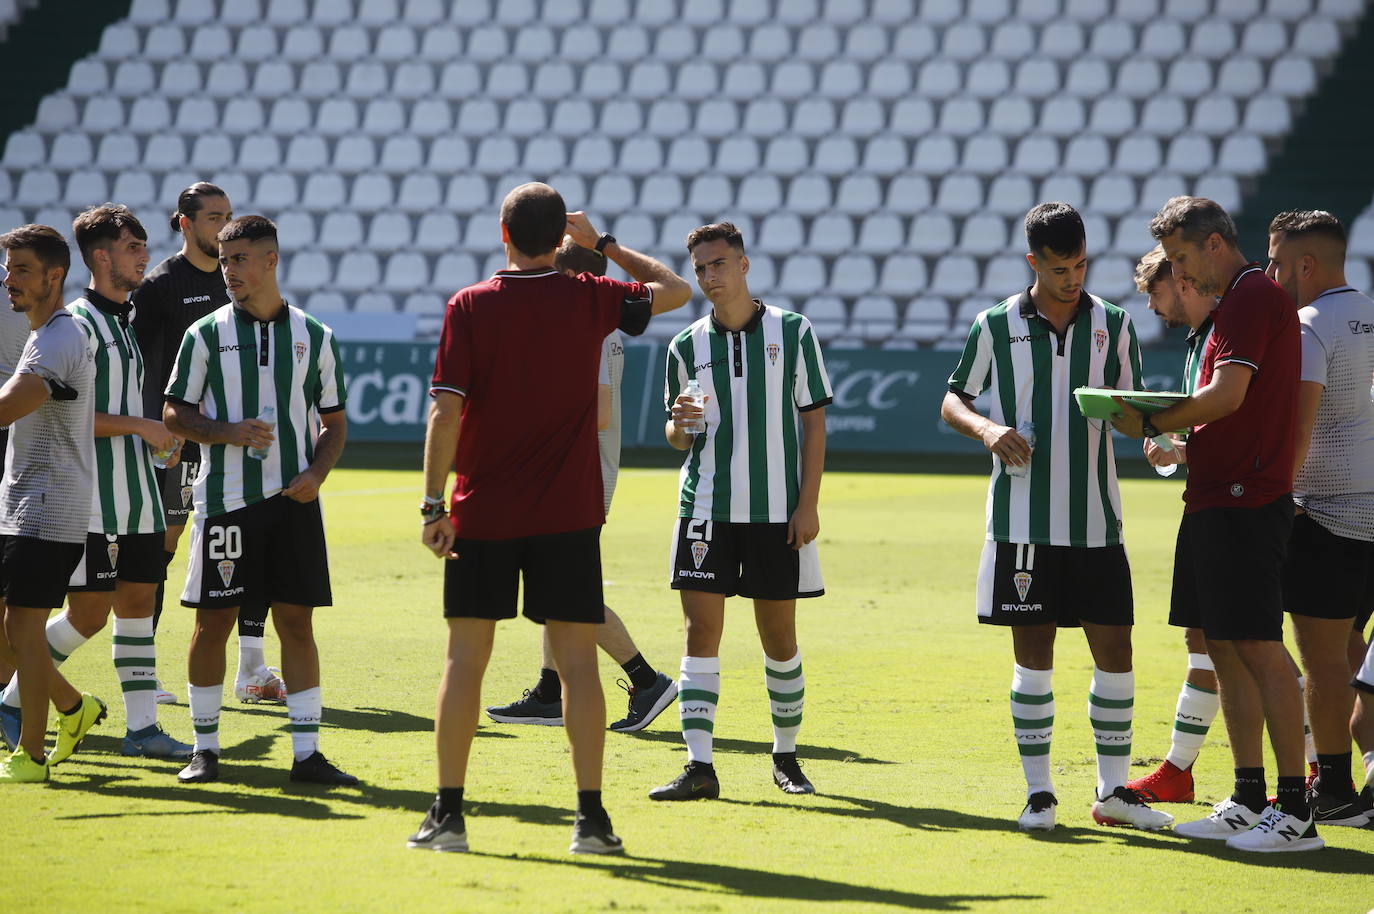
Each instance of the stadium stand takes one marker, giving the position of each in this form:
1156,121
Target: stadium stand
879,154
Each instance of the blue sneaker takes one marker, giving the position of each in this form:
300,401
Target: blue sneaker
154,742
11,719
645,705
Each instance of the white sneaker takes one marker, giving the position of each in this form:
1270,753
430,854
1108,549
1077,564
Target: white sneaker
1125,807
1277,832
162,696
1228,819
1039,812
264,685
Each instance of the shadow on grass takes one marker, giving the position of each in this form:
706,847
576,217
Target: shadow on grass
370,720
715,878
755,747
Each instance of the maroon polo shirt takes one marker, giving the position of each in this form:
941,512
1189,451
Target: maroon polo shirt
1246,459
523,349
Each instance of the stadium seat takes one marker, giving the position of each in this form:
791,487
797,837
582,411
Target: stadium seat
983,234
874,317
880,233
825,312
858,194
902,274
781,233
831,233
853,274
295,228
926,319
808,194
955,275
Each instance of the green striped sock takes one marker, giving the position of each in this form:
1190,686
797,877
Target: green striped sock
135,660
786,698
205,708
697,697
1032,721
1111,705
305,709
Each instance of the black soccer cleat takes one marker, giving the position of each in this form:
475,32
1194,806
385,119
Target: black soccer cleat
203,768
316,769
698,781
787,774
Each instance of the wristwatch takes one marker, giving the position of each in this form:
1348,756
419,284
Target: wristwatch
601,242
432,509
1147,428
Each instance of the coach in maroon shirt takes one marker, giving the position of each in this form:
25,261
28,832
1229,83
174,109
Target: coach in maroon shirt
1233,537
516,374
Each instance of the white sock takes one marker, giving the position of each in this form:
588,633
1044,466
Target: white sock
305,708
63,639
1032,720
252,659
1193,716
1111,705
1369,768
786,697
135,660
206,702
697,697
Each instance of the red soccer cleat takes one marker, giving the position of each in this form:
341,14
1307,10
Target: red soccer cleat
1166,784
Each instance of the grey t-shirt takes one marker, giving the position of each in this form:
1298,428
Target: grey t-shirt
608,439
14,333
50,466
1336,482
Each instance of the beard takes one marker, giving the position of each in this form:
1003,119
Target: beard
208,248
126,282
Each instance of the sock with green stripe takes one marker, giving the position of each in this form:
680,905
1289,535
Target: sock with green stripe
1032,720
305,708
135,660
697,697
63,639
205,708
786,697
1193,716
1111,705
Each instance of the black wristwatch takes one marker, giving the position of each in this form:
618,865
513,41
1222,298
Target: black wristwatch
1147,428
601,242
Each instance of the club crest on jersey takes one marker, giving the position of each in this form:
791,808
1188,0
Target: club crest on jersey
1022,580
226,571
186,493
112,551
300,351
1100,338
699,550
773,350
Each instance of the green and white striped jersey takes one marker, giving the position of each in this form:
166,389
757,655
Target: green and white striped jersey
1197,345
746,466
231,366
127,499
1070,496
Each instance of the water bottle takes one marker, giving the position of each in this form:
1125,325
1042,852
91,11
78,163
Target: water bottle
160,458
1164,442
693,390
260,453
1027,431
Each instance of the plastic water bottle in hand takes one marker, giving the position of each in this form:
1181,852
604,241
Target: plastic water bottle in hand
1027,432
693,390
160,458
1165,443
267,415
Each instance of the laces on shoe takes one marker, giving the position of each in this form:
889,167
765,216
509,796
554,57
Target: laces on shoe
629,689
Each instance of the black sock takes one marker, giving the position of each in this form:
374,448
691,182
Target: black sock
72,710
549,688
1291,796
1333,772
1250,789
449,801
589,803
642,676
161,589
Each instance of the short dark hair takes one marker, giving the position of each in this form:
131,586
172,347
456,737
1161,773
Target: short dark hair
1153,268
46,242
191,201
535,218
1309,223
101,225
1055,227
716,231
574,258
249,228
1197,217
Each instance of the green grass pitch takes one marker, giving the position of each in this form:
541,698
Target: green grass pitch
906,737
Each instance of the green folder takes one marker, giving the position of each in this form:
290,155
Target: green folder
1097,402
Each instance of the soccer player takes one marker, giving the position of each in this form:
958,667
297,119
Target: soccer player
45,496
1237,517
178,292
1178,304
520,434
650,691
122,565
14,333
748,496
1054,554
257,532
1328,580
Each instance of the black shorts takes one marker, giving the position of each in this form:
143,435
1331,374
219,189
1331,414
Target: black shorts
138,558
273,552
1026,584
1228,568
1327,576
561,571
748,560
177,483
34,573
